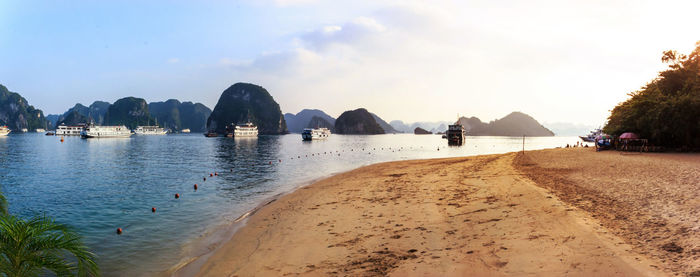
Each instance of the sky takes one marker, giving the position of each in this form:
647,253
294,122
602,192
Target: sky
559,61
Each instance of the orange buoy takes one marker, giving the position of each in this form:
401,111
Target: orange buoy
195,186
119,231
205,179
280,160
231,169
270,162
153,209
177,195
211,175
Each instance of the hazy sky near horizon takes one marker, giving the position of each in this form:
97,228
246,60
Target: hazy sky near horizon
559,61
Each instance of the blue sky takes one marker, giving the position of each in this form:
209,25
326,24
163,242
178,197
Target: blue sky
569,61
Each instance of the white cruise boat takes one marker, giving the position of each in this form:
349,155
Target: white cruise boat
150,130
245,130
4,131
315,134
71,130
106,132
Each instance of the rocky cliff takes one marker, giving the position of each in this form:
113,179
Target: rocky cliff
129,111
244,102
81,114
297,122
17,114
421,131
320,122
174,115
385,126
358,122
514,124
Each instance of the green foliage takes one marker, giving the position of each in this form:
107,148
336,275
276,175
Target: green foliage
16,113
3,204
359,122
667,110
40,245
174,115
244,102
129,111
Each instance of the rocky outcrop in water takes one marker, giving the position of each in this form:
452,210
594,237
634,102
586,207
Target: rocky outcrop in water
357,122
17,114
421,131
514,124
243,102
81,114
297,122
129,111
176,116
388,129
320,122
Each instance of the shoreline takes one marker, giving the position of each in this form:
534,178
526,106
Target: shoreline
189,265
337,243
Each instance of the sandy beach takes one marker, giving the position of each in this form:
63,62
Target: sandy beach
547,213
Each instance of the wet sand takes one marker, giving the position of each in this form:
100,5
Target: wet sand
443,217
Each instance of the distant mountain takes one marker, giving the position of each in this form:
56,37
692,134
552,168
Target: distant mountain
435,127
81,114
385,126
51,120
297,122
129,111
244,102
17,114
320,122
514,124
359,122
176,116
421,131
569,129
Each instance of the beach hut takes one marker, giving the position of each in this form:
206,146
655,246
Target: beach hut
629,135
631,142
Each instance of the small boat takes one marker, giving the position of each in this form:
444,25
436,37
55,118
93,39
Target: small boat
185,131
315,134
150,130
592,135
50,133
39,130
456,134
211,134
4,131
24,130
106,132
242,130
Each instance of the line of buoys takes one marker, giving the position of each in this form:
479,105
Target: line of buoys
177,195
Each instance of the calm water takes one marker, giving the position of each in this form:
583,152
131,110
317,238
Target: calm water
97,185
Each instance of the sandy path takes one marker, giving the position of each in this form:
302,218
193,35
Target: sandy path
444,217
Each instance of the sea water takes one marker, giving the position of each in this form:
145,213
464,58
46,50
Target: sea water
99,185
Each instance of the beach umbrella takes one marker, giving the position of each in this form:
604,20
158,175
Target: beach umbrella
629,136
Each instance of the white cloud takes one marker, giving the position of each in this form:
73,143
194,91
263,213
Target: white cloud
417,62
173,60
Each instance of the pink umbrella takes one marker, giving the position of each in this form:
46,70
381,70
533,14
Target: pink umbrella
629,136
